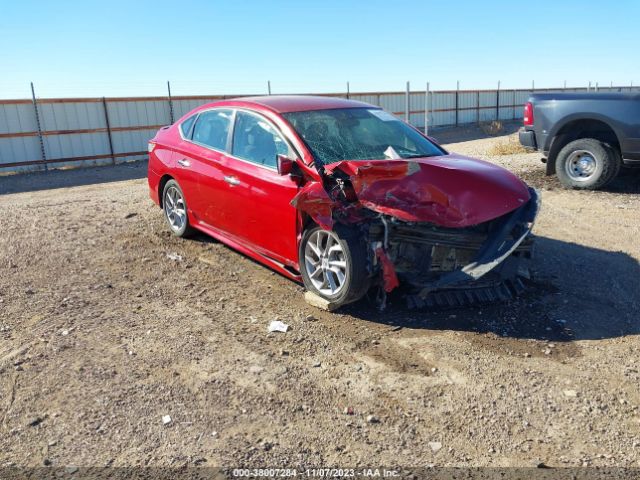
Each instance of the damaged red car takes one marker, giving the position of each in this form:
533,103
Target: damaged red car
346,198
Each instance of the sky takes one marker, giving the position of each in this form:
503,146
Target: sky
133,47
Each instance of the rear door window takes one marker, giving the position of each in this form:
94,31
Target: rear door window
212,129
185,127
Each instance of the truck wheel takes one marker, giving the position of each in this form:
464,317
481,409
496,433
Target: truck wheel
587,164
333,264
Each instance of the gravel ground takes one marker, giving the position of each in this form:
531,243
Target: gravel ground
108,324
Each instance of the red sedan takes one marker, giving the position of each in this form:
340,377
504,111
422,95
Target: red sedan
345,197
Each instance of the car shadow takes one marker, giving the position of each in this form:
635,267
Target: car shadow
579,293
64,178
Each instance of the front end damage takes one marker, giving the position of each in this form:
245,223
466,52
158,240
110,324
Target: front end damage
449,230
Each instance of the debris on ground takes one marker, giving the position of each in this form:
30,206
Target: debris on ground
570,393
166,419
435,446
278,326
319,302
372,419
348,411
34,422
174,256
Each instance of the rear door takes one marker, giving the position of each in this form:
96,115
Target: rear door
183,151
258,196
198,161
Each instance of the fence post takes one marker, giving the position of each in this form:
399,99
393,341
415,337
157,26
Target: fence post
426,110
106,121
514,104
498,102
170,102
35,109
406,104
565,85
597,86
347,90
269,87
589,87
457,94
478,106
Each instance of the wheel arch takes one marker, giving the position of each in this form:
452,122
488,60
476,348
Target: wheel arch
163,181
574,128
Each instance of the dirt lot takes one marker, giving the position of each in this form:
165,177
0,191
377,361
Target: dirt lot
102,334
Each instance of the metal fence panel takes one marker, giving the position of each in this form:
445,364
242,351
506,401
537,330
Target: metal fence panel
17,118
373,99
76,130
136,113
467,116
393,103
183,106
71,115
19,149
75,145
132,140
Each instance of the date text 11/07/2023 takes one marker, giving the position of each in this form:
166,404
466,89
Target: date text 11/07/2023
315,473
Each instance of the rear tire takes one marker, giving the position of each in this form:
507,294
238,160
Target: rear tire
174,207
587,164
333,264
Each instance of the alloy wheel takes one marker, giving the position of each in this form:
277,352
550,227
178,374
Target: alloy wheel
325,262
174,209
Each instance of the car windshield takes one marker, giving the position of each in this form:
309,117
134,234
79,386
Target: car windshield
359,134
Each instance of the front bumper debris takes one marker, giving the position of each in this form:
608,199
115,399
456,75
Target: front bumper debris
457,267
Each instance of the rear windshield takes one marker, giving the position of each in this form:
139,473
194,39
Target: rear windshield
359,134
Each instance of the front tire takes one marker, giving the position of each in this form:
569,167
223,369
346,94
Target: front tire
587,164
333,264
174,206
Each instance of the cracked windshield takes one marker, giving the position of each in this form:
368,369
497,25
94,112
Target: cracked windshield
359,134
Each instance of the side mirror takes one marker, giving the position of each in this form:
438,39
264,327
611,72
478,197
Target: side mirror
284,164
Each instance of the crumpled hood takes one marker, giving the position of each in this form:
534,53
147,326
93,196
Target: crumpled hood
449,190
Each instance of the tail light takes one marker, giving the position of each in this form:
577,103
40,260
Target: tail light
528,113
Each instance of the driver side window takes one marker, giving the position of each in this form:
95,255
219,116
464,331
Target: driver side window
257,141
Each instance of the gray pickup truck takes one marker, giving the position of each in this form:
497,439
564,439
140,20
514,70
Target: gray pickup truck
586,138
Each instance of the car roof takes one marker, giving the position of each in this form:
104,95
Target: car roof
299,103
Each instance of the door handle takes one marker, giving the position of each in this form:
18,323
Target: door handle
183,162
232,180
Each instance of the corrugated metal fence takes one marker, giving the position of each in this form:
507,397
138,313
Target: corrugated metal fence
66,132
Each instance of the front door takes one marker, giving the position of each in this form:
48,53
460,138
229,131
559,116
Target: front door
259,197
